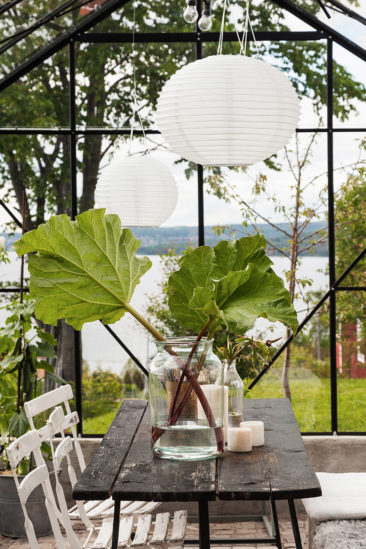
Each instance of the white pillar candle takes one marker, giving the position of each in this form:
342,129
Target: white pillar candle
239,439
257,428
226,412
215,398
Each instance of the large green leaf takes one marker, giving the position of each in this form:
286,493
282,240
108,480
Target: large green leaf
192,278
232,283
235,255
245,296
84,270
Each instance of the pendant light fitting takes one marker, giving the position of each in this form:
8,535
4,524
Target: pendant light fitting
190,13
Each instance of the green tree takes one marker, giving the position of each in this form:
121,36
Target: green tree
102,391
350,241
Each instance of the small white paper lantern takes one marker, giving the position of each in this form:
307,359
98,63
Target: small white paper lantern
227,110
140,189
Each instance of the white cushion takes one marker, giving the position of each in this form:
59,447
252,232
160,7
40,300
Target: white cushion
344,497
343,484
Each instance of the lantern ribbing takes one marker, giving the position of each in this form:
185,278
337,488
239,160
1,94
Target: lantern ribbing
227,110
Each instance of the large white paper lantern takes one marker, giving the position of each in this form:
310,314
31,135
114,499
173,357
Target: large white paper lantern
140,189
227,110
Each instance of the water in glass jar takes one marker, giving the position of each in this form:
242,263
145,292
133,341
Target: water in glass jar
186,440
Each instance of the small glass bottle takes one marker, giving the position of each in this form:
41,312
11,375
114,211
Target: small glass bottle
235,394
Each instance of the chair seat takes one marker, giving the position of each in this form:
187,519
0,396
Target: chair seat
344,497
141,531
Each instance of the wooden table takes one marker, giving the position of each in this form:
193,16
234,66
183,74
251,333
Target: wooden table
124,466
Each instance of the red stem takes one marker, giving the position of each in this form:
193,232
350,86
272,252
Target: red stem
185,368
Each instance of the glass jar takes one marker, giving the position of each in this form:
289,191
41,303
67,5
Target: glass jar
186,387
235,395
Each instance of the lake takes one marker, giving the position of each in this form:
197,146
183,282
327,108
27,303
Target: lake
100,349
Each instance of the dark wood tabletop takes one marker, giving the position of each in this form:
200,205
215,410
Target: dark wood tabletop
124,465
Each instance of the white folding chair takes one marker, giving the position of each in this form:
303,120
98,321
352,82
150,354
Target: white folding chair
132,533
30,443
60,423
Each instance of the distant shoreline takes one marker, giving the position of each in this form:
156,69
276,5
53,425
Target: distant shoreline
157,240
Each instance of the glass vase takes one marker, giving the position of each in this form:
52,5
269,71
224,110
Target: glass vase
186,388
235,395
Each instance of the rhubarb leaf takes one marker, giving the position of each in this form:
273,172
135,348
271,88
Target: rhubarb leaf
231,284
245,296
84,270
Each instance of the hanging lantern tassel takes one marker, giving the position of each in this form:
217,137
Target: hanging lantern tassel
141,190
227,110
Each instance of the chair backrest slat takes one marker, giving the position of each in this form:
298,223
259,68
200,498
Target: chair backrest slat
62,450
31,481
22,447
47,401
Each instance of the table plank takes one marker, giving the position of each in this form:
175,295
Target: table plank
291,473
101,472
279,469
146,477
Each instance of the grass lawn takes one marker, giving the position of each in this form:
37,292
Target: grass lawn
99,425
310,401
310,398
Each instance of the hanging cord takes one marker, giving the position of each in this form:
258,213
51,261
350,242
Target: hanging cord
134,108
254,38
221,39
243,41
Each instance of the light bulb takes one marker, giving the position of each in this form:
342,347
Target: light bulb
205,23
190,14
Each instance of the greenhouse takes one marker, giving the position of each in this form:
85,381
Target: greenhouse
182,273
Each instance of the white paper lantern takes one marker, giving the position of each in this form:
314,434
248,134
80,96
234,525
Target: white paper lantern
140,189
227,110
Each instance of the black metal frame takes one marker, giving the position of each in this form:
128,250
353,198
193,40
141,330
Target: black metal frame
79,33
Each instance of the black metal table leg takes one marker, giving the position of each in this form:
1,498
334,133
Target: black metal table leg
276,525
115,532
204,524
295,526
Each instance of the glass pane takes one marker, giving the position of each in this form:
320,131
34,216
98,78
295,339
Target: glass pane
350,224
46,89
351,360
351,93
36,25
109,374
309,381
41,166
105,85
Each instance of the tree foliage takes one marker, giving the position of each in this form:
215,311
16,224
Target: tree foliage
41,165
350,242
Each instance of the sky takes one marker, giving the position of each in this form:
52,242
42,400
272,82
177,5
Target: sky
345,150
